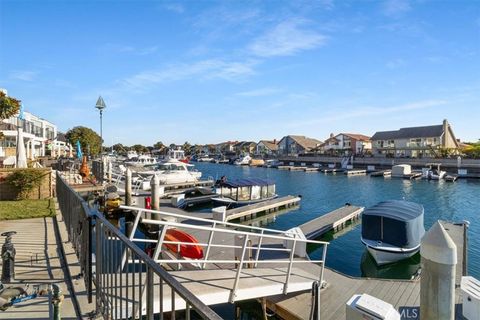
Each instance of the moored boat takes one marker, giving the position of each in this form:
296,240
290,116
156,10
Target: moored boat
240,192
243,161
392,230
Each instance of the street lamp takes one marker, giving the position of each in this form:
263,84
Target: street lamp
100,106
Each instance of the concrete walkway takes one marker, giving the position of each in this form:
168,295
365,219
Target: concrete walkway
39,261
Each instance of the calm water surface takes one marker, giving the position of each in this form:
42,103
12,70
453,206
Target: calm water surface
323,193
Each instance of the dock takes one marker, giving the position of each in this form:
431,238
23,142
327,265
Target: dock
265,206
355,172
332,170
382,173
400,293
311,169
412,176
284,167
334,220
293,168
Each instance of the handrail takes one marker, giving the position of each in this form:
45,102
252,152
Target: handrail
186,217
198,305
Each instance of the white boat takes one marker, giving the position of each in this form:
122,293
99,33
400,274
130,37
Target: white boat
171,171
433,173
392,230
243,161
271,163
205,158
177,154
132,154
242,192
142,161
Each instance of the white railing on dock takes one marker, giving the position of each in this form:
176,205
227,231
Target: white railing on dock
213,228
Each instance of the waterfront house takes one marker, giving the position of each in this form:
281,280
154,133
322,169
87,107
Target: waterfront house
226,147
267,148
416,142
40,137
295,145
245,147
345,144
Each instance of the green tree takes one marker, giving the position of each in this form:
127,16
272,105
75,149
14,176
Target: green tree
159,145
139,148
187,147
8,107
118,147
89,139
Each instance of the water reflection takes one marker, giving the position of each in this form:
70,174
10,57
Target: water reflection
405,269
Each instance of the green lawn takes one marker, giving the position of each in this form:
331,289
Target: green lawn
24,209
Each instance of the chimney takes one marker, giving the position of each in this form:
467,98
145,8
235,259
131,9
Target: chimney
331,135
446,133
274,141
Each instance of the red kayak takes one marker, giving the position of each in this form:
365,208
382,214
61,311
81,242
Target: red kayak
188,251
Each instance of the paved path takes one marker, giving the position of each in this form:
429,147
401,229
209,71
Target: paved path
38,261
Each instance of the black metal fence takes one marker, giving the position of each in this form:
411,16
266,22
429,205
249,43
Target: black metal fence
128,283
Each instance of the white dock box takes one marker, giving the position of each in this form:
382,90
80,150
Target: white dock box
471,298
366,307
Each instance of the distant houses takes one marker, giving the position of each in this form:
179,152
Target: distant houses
416,142
267,148
346,144
295,145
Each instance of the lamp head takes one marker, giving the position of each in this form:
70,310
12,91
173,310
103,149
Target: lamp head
100,105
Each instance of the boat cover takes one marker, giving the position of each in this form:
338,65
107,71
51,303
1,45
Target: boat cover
247,182
401,221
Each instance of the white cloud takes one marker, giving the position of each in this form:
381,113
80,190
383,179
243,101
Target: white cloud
259,92
206,69
23,75
396,63
370,111
174,7
285,39
395,7
119,48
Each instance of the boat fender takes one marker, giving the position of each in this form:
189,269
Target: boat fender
148,203
348,204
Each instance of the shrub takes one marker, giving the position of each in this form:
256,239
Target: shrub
25,180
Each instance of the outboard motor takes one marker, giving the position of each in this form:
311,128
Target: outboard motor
8,258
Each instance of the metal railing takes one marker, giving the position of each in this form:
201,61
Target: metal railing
121,293
78,220
250,241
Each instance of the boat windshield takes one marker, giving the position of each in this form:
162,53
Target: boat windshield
170,167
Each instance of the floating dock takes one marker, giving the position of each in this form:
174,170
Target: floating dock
382,173
311,169
355,172
293,168
340,288
334,220
332,170
284,167
265,206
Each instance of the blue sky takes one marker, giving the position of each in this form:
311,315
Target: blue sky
205,71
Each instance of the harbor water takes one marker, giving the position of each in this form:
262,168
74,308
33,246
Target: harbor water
322,193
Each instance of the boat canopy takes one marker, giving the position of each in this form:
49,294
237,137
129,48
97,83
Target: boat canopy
396,222
247,182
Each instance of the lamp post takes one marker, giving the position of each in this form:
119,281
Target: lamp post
100,105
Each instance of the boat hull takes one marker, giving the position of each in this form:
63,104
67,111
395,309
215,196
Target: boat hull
385,256
232,203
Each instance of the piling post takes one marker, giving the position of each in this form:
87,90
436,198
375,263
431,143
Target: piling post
155,187
109,171
437,284
128,187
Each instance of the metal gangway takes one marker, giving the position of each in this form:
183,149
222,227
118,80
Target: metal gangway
239,262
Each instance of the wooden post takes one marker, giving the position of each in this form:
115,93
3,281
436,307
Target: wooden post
109,171
128,187
155,187
437,283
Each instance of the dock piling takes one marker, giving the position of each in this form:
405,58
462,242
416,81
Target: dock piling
128,187
155,187
437,284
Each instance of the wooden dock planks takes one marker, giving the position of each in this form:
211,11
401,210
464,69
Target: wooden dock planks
317,227
274,204
340,288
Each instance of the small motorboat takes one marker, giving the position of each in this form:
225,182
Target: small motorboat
187,250
432,173
177,154
241,192
243,161
392,230
142,161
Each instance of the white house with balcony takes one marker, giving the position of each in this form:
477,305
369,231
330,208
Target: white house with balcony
40,137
